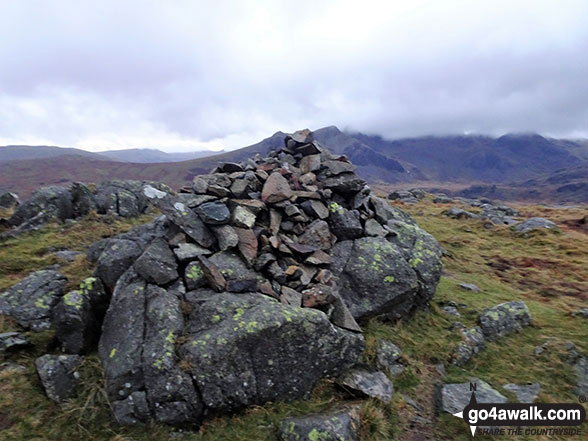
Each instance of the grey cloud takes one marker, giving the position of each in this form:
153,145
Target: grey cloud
183,74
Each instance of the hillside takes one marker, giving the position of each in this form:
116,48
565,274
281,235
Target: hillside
478,158
545,270
512,167
153,155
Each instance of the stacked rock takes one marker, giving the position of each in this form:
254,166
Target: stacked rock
249,288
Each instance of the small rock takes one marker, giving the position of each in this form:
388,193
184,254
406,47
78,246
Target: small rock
214,213
247,245
243,218
534,223
226,237
194,276
388,356
473,343
345,224
157,264
276,189
67,255
469,287
583,312
10,341
504,319
451,310
215,278
525,393
186,252
337,425
58,375
364,382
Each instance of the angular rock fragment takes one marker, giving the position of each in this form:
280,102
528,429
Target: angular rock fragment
368,383
58,375
504,319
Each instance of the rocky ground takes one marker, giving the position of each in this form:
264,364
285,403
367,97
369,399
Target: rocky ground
210,297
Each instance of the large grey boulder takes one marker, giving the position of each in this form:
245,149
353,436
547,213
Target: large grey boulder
237,350
31,300
44,204
504,319
58,375
124,197
378,277
336,425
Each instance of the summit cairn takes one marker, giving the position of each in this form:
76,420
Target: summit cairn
253,285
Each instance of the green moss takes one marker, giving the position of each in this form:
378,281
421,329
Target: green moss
389,279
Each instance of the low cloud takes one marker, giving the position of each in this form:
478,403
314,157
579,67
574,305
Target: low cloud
188,75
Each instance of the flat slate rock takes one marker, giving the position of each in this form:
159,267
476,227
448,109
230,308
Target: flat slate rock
368,383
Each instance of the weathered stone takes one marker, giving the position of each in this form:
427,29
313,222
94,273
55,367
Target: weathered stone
186,219
31,300
157,264
239,278
318,258
310,163
334,168
374,229
344,183
290,296
77,316
318,235
504,319
534,223
388,356
375,278
212,273
473,343
186,252
58,375
345,224
453,398
67,255
451,310
199,185
276,189
247,245
194,276
458,213
11,341
226,236
469,287
525,393
214,213
365,382
50,202
230,167
9,200
337,425
243,218
234,363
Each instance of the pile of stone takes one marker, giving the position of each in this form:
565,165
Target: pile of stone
249,288
121,197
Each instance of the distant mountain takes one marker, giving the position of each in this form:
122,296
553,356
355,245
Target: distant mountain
478,158
523,167
153,155
19,152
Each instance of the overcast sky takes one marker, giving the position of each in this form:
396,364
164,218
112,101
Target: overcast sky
188,75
